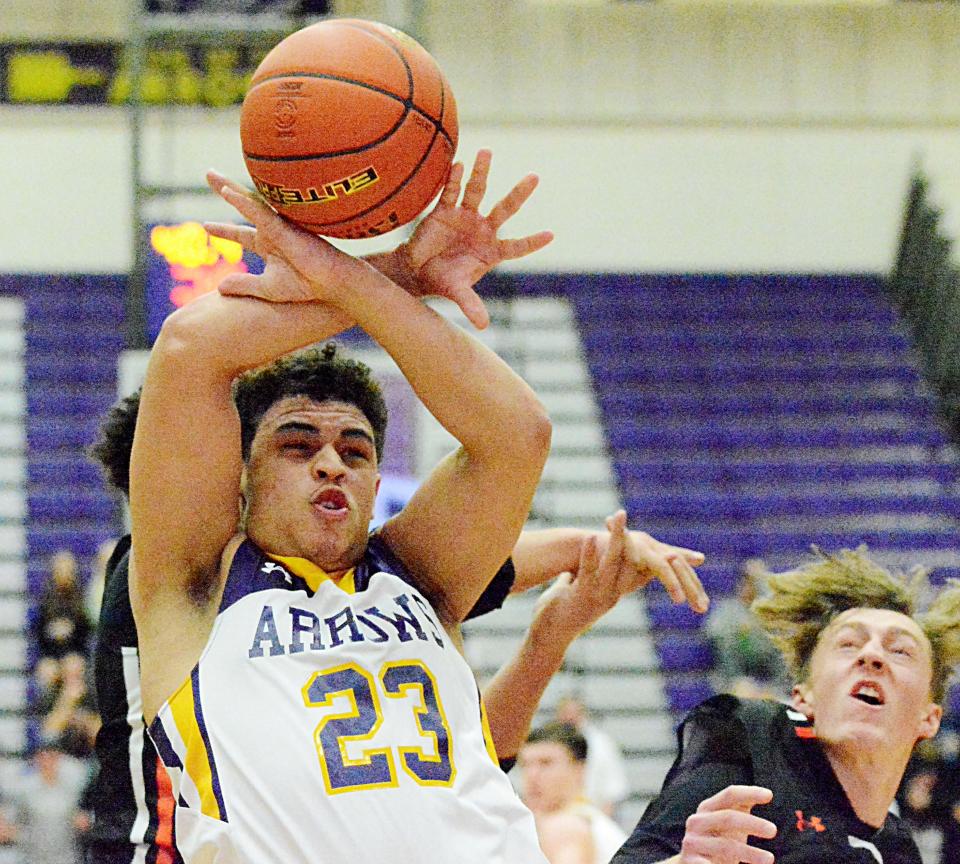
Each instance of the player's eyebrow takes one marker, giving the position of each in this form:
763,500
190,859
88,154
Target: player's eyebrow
295,426
893,630
300,426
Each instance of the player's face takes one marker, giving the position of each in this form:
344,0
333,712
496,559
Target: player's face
311,481
551,777
869,683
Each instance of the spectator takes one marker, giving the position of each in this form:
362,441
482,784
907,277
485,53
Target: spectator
61,626
45,800
606,775
946,792
68,709
746,662
553,769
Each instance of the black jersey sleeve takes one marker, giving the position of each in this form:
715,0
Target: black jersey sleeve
496,591
713,754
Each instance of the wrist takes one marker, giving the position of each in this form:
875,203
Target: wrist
549,639
405,270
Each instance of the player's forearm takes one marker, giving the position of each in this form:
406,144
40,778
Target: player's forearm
394,266
219,337
540,555
513,694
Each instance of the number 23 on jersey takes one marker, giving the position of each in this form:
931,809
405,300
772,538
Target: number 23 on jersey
375,768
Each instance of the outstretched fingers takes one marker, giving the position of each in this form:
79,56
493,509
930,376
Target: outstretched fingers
248,204
451,189
739,797
523,246
720,828
511,203
690,584
471,305
242,234
477,184
241,285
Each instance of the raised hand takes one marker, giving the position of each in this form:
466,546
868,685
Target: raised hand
718,832
454,246
647,558
575,601
298,266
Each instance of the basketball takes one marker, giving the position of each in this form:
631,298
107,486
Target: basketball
349,128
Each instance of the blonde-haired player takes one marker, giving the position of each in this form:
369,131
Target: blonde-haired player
813,781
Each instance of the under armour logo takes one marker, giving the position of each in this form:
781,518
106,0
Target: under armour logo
857,843
814,823
271,567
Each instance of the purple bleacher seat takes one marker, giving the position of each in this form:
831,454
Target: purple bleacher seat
58,400
721,539
771,343
700,503
54,504
60,369
648,405
684,694
705,468
51,434
684,652
665,615
107,341
64,470
83,539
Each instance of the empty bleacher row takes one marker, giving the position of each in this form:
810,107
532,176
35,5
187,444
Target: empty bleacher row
65,340
755,416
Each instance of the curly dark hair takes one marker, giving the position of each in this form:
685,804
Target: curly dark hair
317,372
115,442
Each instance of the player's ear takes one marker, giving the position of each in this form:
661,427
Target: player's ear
930,721
801,699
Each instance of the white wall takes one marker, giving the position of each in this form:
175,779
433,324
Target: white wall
668,138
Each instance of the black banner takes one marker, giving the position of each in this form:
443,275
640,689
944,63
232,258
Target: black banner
101,73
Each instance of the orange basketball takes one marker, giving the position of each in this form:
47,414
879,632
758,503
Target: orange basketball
349,128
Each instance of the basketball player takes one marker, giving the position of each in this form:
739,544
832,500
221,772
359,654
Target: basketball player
131,797
303,691
553,780
756,781
131,794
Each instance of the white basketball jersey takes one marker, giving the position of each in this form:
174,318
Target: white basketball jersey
334,722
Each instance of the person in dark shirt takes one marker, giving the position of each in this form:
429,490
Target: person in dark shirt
813,781
61,628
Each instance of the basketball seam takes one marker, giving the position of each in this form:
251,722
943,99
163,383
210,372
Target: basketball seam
408,103
403,184
436,122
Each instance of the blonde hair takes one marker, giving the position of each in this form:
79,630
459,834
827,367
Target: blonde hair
803,602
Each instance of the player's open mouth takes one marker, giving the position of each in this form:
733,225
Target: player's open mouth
868,692
332,502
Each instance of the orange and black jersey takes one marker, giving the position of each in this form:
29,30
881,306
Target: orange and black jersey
130,796
727,741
